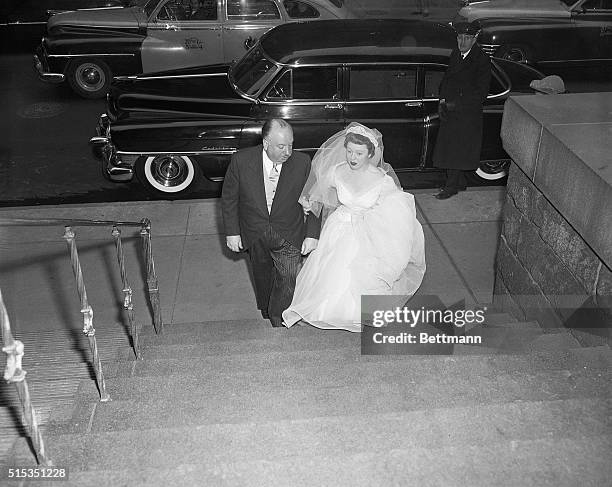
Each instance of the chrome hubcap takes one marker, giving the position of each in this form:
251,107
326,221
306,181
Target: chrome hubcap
169,171
90,77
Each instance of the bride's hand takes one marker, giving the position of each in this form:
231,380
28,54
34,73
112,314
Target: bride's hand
306,206
309,245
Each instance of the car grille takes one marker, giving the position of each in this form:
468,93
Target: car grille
489,49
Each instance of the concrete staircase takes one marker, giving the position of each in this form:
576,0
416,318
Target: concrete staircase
240,403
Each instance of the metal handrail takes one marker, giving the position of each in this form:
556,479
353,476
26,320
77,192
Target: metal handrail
14,373
152,282
70,222
14,348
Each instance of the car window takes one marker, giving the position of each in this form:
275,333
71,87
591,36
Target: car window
202,10
597,5
300,10
308,83
382,82
174,10
252,72
433,77
252,10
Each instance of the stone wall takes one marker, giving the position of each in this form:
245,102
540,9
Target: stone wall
545,271
553,263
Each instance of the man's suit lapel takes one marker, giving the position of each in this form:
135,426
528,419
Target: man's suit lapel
256,175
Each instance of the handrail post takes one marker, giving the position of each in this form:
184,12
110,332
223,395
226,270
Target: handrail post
152,282
15,374
127,291
88,328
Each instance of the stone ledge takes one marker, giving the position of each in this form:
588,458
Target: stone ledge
562,143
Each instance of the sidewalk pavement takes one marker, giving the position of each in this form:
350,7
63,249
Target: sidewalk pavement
199,279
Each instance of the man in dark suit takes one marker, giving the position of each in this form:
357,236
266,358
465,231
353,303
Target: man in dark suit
463,91
262,215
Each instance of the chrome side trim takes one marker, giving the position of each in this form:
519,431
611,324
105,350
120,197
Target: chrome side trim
25,23
203,75
590,60
343,102
300,103
101,8
89,55
248,27
394,100
183,153
182,27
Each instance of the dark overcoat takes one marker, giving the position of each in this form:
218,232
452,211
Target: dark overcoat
465,86
243,201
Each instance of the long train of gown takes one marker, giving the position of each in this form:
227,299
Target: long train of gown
372,244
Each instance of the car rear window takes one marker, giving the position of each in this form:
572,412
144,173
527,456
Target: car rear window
382,82
300,10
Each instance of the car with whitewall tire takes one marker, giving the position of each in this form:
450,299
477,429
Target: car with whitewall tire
176,130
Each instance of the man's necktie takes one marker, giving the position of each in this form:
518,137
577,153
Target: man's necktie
274,175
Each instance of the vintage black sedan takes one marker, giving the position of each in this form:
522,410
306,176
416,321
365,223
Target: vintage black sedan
88,48
172,128
548,34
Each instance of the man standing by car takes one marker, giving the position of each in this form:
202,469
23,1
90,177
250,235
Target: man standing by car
261,214
463,91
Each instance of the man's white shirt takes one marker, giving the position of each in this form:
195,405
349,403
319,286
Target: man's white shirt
267,169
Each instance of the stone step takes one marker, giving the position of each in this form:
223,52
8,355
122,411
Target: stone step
542,462
597,358
494,340
368,432
145,403
237,329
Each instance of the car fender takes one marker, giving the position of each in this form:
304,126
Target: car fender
538,35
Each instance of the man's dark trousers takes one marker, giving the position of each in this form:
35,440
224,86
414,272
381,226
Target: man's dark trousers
276,263
455,180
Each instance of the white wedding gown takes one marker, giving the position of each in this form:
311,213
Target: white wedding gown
372,244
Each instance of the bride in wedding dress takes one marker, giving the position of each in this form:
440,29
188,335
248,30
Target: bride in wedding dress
371,242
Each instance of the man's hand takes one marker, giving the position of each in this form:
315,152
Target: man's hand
308,245
234,243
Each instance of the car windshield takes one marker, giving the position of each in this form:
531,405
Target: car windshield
252,72
147,5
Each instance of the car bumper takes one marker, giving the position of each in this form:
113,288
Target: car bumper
42,69
113,166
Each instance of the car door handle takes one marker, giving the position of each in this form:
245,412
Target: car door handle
413,104
171,27
249,42
334,106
